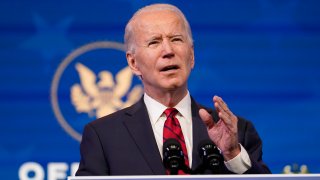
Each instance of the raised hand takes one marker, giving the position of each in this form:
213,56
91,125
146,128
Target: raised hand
224,133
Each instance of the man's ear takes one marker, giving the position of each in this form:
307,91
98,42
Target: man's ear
132,62
192,60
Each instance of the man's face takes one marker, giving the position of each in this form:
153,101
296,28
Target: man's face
163,55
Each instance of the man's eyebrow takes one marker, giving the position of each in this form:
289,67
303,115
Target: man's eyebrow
154,37
175,35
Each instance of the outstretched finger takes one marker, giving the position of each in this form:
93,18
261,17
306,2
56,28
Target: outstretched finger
206,118
221,105
226,119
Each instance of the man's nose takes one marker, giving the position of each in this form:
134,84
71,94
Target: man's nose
167,48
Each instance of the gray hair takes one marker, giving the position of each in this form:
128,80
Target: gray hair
128,35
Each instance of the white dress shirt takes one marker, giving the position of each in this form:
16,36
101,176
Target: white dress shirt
239,164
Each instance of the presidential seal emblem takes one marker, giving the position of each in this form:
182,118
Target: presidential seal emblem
92,81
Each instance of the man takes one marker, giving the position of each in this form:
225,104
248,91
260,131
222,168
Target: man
129,142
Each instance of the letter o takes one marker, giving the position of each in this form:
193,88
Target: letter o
28,167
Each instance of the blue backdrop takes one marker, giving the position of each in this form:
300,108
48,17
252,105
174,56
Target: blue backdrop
261,56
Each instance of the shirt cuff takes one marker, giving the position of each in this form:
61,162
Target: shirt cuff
239,164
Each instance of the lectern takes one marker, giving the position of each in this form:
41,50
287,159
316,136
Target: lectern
205,177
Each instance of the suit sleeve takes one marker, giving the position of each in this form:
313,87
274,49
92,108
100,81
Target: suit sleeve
93,161
253,144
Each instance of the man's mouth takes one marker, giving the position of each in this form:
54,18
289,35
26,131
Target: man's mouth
168,68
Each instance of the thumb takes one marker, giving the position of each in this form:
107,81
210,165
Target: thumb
206,118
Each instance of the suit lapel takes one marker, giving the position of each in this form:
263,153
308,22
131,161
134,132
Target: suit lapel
139,126
199,133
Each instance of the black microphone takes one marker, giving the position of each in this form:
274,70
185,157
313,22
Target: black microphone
210,155
173,158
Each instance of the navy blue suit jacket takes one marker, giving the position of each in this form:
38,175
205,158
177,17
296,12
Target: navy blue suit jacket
123,143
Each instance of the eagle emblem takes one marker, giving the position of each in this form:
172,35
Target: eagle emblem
103,95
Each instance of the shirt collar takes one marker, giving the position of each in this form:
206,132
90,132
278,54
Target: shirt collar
155,109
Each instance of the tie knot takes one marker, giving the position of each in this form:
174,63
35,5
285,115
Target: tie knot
170,112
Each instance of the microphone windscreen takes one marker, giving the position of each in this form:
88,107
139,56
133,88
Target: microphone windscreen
171,144
173,158
210,154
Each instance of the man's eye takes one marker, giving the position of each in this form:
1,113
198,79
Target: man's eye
152,43
176,40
